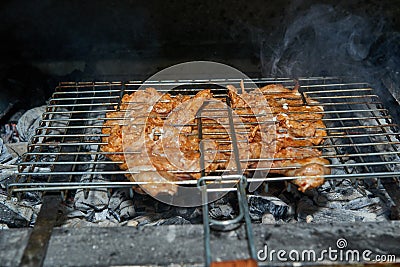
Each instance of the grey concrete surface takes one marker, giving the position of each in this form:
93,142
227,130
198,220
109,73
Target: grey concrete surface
12,243
183,245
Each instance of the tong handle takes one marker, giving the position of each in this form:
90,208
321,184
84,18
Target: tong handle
235,263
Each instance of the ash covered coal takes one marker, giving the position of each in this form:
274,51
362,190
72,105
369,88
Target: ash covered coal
17,130
261,205
343,201
4,154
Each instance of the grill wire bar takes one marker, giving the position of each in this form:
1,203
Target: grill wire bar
358,130
362,142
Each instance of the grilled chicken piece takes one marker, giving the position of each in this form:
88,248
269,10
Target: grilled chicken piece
313,170
162,145
161,138
298,127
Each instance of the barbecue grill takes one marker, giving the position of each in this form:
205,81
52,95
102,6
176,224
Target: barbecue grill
64,156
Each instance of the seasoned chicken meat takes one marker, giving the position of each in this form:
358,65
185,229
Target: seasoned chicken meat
156,136
298,125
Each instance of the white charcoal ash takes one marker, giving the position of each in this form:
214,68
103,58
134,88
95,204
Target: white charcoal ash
122,205
4,154
156,219
221,211
306,207
17,149
95,123
261,205
30,121
345,199
9,133
17,213
268,218
96,199
7,176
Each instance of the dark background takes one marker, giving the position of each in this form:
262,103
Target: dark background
45,41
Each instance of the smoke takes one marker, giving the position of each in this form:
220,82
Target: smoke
329,41
324,41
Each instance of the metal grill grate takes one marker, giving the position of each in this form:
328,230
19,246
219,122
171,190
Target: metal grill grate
362,140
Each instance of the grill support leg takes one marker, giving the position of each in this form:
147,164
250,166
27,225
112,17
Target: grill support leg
35,250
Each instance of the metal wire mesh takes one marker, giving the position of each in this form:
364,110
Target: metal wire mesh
361,142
